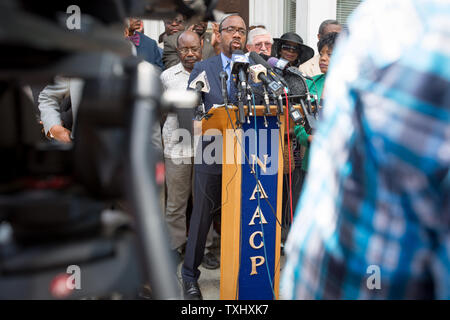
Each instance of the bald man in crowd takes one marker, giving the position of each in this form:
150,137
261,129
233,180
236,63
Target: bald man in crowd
311,67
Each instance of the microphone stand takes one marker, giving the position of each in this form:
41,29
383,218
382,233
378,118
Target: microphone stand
266,106
279,109
249,104
241,94
240,116
223,81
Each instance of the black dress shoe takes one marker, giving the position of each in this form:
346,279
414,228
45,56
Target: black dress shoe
210,261
191,290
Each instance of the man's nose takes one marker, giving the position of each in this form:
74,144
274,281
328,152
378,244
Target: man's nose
237,35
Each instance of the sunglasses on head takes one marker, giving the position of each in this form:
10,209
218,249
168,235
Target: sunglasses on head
288,47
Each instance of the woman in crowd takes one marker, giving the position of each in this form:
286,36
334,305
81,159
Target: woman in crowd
291,48
304,136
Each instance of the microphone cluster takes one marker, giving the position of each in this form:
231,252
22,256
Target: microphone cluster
277,78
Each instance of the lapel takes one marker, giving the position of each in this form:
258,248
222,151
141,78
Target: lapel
215,65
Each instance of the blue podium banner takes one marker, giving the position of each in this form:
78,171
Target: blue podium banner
258,216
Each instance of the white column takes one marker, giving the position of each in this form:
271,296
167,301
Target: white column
153,28
269,13
310,14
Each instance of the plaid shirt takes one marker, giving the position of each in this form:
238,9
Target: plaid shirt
373,221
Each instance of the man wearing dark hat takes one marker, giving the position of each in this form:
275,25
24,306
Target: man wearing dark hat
290,47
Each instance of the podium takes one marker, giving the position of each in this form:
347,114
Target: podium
251,215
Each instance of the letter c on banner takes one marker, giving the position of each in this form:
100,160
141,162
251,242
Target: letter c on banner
251,240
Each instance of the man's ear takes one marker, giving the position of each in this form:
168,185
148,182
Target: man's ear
202,42
248,47
218,37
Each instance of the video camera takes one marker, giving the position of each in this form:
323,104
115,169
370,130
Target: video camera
93,204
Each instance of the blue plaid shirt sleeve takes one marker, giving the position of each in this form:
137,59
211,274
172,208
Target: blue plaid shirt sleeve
374,217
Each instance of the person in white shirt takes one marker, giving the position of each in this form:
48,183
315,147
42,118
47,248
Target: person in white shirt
311,67
50,100
178,155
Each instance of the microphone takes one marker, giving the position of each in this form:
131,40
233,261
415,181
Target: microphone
259,74
239,67
298,73
281,64
259,60
223,81
200,83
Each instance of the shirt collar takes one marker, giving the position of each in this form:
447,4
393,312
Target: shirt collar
180,68
225,60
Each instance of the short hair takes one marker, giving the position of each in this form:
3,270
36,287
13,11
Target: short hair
327,40
325,23
183,32
226,17
257,32
257,26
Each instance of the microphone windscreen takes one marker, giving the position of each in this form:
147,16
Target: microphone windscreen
295,83
264,56
259,60
272,61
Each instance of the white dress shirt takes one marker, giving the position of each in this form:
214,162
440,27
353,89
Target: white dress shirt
175,77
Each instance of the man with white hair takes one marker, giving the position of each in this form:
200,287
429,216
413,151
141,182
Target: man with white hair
259,41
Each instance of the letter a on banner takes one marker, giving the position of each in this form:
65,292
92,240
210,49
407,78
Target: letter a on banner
261,191
258,214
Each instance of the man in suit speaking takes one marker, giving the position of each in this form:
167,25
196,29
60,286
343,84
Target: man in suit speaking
208,177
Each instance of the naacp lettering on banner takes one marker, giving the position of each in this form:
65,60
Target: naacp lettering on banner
257,267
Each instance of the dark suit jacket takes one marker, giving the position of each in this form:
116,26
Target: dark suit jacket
213,67
170,55
148,50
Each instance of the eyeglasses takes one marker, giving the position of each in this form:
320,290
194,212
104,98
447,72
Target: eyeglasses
288,47
233,30
186,50
260,44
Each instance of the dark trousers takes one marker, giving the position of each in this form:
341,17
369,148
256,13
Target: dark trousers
298,176
207,202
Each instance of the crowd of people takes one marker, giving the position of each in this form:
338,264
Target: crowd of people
193,191
192,195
